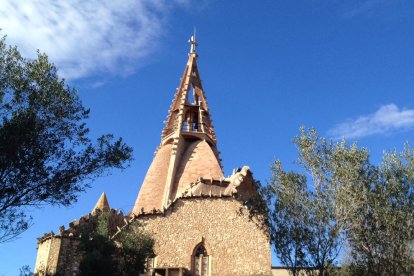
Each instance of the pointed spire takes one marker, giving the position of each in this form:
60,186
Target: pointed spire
102,204
186,115
188,148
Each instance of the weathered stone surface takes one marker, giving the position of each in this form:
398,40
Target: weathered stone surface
235,243
58,254
47,255
61,253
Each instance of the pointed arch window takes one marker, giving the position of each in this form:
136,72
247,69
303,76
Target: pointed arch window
201,261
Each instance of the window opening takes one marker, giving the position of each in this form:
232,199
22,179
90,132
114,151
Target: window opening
201,261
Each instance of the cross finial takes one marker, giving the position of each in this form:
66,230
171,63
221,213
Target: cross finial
193,43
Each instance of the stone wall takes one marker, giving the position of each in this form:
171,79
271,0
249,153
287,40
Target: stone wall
58,254
61,253
235,243
47,255
70,256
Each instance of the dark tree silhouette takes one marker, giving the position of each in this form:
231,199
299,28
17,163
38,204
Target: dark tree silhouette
46,156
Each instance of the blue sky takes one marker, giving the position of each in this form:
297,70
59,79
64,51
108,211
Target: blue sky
268,67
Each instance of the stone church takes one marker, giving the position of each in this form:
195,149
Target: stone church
198,218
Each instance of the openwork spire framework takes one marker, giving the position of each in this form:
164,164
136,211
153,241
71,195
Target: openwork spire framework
189,111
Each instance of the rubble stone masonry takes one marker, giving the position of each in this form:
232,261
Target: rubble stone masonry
235,244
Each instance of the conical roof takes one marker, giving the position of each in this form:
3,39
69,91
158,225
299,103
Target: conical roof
102,204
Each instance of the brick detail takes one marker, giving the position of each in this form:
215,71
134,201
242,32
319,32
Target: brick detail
153,187
198,160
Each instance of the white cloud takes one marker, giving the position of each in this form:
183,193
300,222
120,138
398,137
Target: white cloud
87,37
373,9
386,119
366,7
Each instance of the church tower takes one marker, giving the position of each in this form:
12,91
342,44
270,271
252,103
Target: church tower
201,222
199,219
188,148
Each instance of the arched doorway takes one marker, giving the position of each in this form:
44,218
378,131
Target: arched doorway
201,261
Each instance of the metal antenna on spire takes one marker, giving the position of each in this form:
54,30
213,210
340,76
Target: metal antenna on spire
192,42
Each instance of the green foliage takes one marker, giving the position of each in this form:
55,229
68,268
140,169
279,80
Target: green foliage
123,255
136,247
98,259
381,218
289,217
25,271
103,225
372,207
98,249
257,206
304,228
46,156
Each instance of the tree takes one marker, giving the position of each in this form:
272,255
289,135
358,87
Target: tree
46,156
25,271
380,217
108,254
303,222
99,248
136,247
372,207
289,218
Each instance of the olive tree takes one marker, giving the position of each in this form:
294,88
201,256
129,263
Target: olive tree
303,225
379,212
340,196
